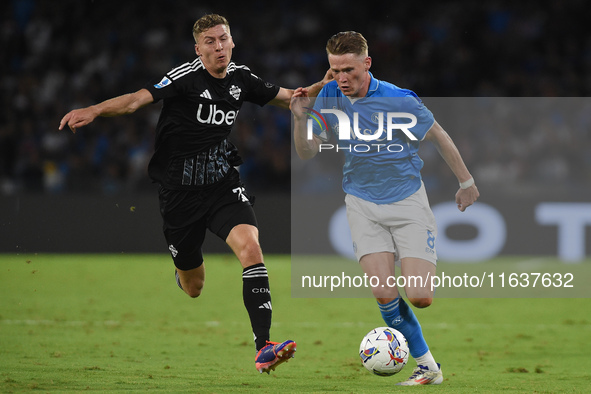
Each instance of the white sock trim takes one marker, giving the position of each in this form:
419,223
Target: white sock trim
428,361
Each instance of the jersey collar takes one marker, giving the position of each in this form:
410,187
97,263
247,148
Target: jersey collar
373,85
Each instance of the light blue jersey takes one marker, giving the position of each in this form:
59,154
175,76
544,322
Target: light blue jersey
381,154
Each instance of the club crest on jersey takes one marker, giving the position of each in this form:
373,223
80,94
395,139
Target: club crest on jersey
164,82
235,92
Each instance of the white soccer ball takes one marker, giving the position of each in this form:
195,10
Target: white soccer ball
384,351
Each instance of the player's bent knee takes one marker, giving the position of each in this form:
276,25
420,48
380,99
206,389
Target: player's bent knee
191,281
421,302
243,239
194,291
420,297
194,287
384,294
251,248
250,252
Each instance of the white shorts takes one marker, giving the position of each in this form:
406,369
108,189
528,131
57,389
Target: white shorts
406,228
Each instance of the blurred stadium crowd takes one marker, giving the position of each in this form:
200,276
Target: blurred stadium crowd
73,53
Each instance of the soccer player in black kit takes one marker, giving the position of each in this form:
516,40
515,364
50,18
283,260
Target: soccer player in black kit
194,165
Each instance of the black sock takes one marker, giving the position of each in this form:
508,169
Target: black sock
257,300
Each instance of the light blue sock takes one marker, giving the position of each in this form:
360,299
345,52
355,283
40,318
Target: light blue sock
399,316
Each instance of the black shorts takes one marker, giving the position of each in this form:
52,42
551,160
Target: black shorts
188,214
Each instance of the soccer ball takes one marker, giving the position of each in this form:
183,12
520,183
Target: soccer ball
384,351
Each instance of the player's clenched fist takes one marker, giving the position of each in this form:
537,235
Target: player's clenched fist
466,197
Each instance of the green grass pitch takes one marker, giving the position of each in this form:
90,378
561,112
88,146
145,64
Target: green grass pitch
117,323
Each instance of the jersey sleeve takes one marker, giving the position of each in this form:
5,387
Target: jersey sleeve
414,105
259,92
166,88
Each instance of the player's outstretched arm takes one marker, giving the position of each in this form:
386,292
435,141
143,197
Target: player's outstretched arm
126,104
314,89
305,148
283,98
468,192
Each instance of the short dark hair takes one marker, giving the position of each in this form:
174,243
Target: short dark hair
207,22
347,42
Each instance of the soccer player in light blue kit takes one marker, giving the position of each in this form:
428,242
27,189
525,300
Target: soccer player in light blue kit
387,206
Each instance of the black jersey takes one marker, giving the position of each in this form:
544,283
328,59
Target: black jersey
198,112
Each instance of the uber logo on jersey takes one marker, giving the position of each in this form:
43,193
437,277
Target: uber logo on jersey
212,115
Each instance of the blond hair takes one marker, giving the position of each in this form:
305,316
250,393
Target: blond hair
347,42
207,22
